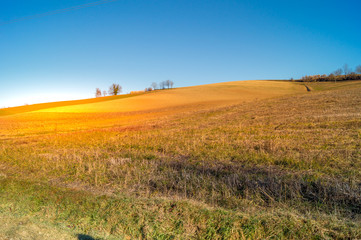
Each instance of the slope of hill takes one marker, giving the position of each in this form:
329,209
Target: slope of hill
239,160
35,107
206,95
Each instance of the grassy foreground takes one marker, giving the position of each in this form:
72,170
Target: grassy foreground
286,165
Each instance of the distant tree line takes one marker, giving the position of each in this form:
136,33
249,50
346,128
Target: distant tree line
163,85
114,90
342,74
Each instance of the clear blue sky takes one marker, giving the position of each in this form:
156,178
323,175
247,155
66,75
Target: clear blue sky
192,42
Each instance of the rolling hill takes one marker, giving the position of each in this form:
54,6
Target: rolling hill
207,95
234,160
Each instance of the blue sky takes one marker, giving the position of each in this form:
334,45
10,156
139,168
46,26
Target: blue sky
134,43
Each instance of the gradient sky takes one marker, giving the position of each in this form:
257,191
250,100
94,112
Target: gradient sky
134,43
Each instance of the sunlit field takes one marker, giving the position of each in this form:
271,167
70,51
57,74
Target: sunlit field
235,160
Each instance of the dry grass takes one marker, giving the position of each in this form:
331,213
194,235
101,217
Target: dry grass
24,228
298,154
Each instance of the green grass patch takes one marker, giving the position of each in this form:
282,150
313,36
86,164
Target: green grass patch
119,217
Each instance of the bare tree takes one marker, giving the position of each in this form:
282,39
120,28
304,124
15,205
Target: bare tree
162,85
115,89
98,92
358,69
154,85
338,72
104,93
171,84
346,70
167,83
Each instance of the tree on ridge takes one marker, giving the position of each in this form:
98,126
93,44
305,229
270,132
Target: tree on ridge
154,85
115,89
98,92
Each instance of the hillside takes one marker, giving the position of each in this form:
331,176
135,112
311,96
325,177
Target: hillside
205,94
235,160
35,107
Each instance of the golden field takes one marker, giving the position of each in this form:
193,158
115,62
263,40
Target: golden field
191,97
127,110
234,160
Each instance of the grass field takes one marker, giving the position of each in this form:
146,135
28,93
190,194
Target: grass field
236,160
